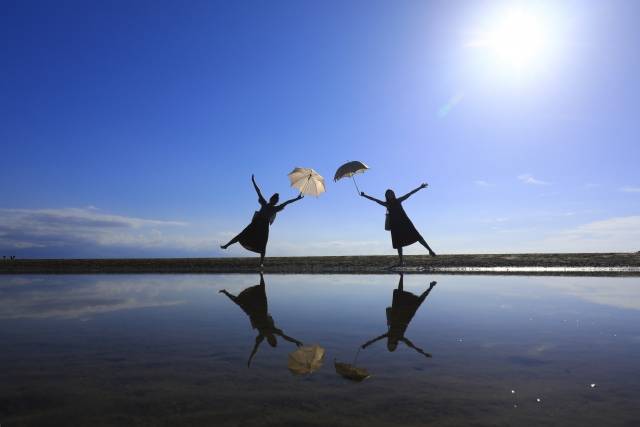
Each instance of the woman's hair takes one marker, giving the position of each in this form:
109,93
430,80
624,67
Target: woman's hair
389,195
274,199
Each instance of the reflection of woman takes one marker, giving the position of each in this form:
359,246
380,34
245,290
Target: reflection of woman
255,235
399,315
403,232
253,301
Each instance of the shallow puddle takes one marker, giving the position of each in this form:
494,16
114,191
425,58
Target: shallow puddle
173,350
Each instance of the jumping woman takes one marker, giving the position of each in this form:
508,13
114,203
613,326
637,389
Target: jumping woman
255,235
403,232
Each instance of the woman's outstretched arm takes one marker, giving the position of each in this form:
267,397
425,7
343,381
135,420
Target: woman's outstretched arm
295,199
410,193
419,350
368,343
286,337
260,198
380,202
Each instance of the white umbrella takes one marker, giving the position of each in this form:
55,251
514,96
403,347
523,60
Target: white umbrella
306,360
349,169
307,181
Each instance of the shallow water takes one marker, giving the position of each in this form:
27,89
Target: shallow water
172,350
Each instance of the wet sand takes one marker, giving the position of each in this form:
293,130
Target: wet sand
580,264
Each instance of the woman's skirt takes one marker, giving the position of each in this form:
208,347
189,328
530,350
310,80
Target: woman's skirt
255,235
253,301
403,232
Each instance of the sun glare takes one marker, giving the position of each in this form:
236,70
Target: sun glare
518,38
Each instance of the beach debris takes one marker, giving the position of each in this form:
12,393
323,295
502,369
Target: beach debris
351,372
306,359
307,181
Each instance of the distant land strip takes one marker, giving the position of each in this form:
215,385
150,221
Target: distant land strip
617,264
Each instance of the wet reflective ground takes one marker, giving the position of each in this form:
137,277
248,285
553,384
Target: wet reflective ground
173,350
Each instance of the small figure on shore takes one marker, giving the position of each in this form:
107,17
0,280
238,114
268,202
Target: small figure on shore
255,235
403,232
404,306
253,301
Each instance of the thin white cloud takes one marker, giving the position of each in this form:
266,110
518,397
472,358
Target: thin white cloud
482,183
630,189
527,178
620,234
615,292
90,227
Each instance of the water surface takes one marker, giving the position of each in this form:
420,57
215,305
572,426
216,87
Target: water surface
173,350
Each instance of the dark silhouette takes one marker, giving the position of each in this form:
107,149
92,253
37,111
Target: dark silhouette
403,232
403,307
255,235
253,301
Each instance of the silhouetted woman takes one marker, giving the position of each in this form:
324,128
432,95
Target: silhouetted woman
253,301
255,235
403,307
403,232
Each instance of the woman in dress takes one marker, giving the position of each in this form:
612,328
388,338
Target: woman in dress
255,235
404,306
403,232
253,301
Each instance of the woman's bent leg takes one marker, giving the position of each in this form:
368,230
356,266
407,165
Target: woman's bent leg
231,242
424,243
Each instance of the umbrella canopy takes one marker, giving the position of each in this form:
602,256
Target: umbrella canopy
349,169
351,372
307,181
306,359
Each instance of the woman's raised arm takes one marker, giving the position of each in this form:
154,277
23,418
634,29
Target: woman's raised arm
410,193
368,343
380,202
260,198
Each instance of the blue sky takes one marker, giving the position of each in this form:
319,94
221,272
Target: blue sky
133,128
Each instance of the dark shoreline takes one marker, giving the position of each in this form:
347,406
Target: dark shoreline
609,264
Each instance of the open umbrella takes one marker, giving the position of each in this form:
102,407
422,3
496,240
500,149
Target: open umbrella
349,169
351,372
307,181
306,360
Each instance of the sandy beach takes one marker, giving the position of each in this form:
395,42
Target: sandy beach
581,264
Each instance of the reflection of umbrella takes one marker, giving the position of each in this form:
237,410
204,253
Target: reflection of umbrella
307,181
349,169
306,359
351,372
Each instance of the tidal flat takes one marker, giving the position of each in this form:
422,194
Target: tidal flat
547,263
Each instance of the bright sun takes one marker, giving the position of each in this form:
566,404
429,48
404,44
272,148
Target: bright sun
518,38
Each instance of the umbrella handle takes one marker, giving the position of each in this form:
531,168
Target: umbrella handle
308,181
356,184
355,359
